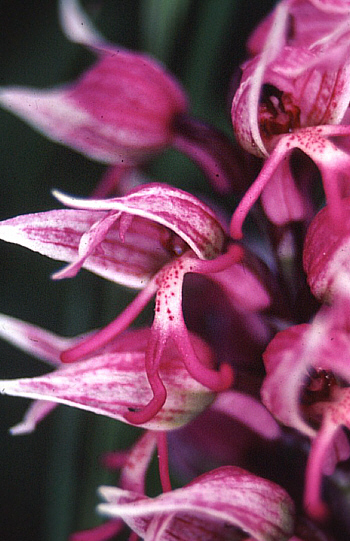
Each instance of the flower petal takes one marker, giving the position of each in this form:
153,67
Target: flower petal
193,221
114,383
246,101
248,411
288,359
77,26
56,234
33,340
227,495
37,411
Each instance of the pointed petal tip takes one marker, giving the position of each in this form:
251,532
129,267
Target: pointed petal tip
77,26
22,428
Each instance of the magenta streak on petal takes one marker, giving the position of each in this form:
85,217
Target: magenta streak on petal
313,504
133,474
227,495
185,215
131,263
109,332
162,446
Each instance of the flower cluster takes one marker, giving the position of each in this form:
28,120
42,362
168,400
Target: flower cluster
247,353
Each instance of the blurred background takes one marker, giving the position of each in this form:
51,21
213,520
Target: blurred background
49,478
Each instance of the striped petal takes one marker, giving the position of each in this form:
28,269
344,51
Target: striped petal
212,506
185,215
115,383
57,234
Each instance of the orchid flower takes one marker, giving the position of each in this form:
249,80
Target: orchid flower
294,94
194,232
122,111
307,388
112,382
219,504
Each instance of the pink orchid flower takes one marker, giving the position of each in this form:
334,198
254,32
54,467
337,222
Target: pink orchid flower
112,382
307,388
123,110
194,238
326,256
294,94
219,505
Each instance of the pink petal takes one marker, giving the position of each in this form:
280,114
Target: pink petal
248,411
331,161
332,6
288,359
114,383
33,340
246,101
193,221
77,26
227,495
326,253
308,67
56,234
133,474
169,325
244,287
281,199
37,411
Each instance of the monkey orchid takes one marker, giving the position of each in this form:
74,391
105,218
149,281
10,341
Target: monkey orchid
117,238
112,382
307,387
223,504
123,110
294,94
